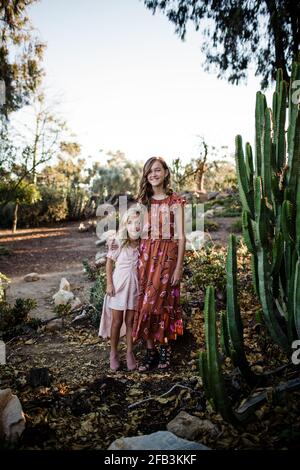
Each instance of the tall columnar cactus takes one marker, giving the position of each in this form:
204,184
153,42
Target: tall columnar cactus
210,366
270,196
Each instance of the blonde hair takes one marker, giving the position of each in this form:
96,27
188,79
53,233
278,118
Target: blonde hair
123,232
145,191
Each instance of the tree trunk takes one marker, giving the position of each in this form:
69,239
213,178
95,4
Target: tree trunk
15,218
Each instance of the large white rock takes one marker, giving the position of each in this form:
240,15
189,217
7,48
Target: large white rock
196,239
63,297
31,277
12,419
64,284
105,236
161,440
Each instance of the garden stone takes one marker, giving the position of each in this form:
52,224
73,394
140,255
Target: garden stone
161,440
31,277
12,419
190,427
54,325
64,284
63,297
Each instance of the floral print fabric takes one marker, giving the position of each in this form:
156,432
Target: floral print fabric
159,315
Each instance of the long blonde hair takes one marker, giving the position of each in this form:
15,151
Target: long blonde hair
123,234
145,191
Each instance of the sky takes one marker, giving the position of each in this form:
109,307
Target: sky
127,82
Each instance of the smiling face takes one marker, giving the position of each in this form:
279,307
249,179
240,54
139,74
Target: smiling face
134,226
157,174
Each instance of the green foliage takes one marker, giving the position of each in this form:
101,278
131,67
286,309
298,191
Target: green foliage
97,294
119,175
207,268
20,70
91,270
235,38
210,225
270,196
13,318
231,204
22,192
4,281
63,310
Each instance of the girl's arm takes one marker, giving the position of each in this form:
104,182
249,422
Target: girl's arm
179,217
110,290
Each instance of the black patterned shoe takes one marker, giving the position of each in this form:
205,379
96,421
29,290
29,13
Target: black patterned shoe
164,356
150,360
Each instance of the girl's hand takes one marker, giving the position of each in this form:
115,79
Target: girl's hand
110,290
176,277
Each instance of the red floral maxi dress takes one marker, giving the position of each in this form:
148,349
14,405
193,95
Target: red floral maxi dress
159,314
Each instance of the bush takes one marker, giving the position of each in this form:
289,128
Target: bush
207,267
97,294
210,225
13,319
4,281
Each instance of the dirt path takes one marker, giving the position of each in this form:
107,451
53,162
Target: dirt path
52,252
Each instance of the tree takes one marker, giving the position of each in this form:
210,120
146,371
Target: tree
240,33
43,134
118,175
24,193
21,54
193,172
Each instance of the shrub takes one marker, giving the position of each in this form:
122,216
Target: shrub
14,318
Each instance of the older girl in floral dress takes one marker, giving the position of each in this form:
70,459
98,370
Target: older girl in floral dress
158,316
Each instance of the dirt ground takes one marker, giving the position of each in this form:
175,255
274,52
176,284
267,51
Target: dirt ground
86,406
56,252
52,252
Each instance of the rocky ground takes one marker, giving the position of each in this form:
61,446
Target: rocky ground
84,405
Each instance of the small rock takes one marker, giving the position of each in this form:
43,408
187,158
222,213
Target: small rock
212,195
12,419
63,297
161,440
64,284
82,228
100,259
189,427
210,213
54,325
82,316
39,376
31,277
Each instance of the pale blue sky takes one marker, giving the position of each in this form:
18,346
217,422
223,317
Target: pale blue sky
128,82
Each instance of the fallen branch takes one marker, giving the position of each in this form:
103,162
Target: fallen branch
133,405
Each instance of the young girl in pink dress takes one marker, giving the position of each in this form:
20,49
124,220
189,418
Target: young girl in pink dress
122,288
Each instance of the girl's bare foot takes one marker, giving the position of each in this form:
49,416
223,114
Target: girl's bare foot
114,361
131,362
